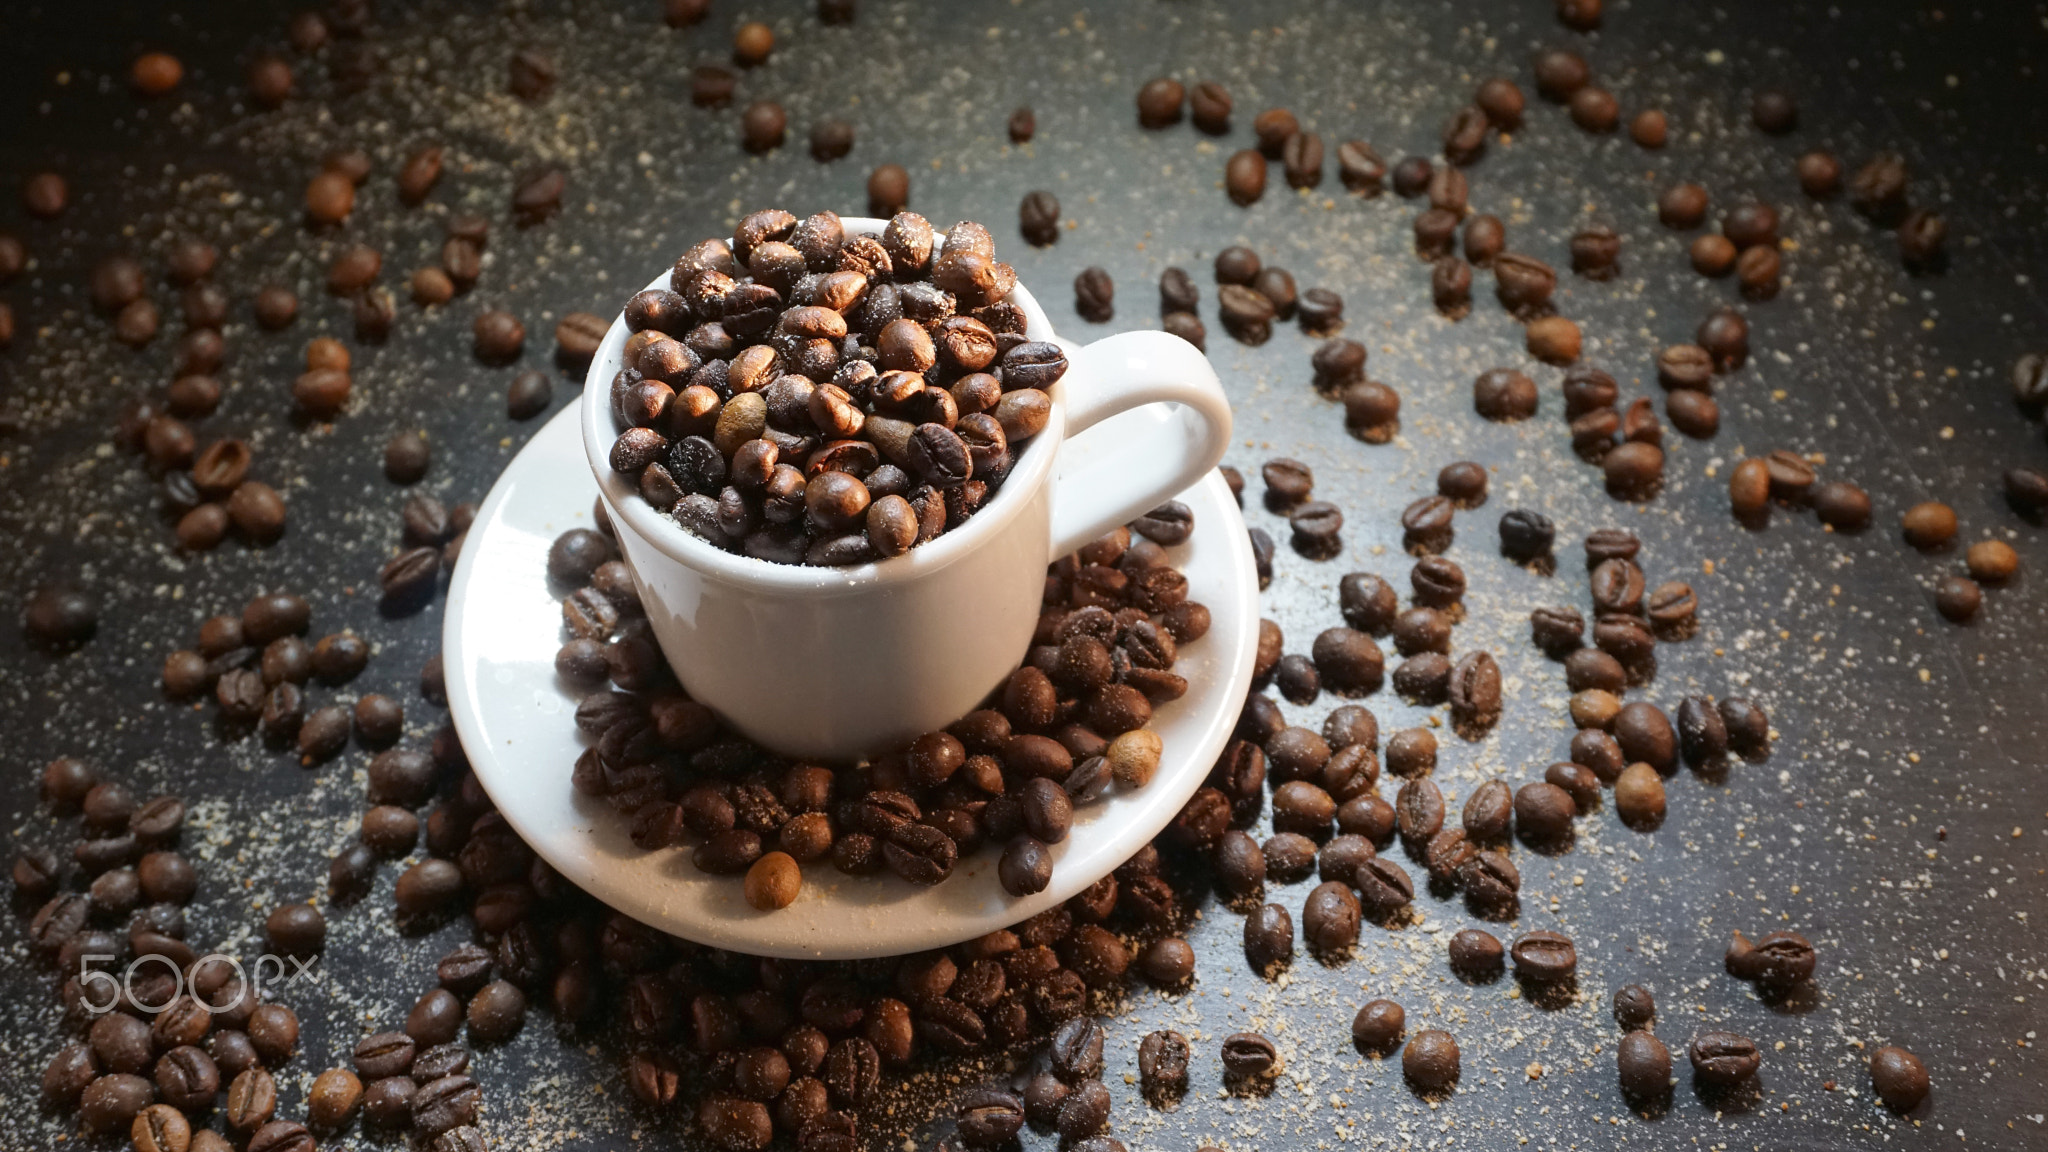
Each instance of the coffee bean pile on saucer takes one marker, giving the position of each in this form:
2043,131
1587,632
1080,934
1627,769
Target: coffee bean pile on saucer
805,396
1066,729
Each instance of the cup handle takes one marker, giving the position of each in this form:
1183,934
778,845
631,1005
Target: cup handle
1169,425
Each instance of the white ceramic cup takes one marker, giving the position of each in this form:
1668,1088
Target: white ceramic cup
839,663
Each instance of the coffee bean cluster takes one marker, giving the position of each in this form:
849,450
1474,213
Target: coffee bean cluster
1627,443
208,491
1787,479
154,1063
801,1051
1067,729
257,667
805,396
1251,295
430,541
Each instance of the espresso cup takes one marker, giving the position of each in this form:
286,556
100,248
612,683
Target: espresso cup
839,663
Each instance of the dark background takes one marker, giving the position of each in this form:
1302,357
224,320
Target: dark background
1898,822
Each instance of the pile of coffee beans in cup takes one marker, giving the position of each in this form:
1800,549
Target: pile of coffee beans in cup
1068,728
805,396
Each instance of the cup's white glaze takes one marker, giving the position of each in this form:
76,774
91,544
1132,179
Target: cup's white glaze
837,663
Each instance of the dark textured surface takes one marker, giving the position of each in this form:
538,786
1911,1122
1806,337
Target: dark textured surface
1898,822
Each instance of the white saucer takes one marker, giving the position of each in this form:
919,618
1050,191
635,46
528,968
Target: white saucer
514,715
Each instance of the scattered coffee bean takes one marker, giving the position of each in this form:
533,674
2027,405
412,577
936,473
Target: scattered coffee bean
1643,1066
1430,1061
1248,1055
1160,101
1899,1078
1928,525
1723,1059
1378,1027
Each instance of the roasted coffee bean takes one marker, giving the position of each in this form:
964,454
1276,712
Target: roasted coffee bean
1928,525
1411,176
496,1012
1899,1078
1553,340
1301,158
251,1101
1545,957
1958,598
987,1117
1750,224
1723,1059
1319,310
333,1098
1639,796
1544,811
1435,231
1596,253
1841,505
1277,286
1038,217
1168,961
2026,489
451,1102
1316,525
1285,857
1475,690
111,1102
59,615
1383,886
1244,177
1749,488
1645,734
1422,629
1430,1061
1299,806
1475,952
1694,413
1490,878
1671,608
1371,410
1682,206
1643,1065
1378,1026
1725,336
1330,917
1288,482
1339,859
1269,938
1424,678
1556,630
1504,394
1274,127
1160,101
387,1103
1820,174
186,1077
1248,1055
1349,662
1634,471
1776,960
1367,602
1240,865
1526,535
